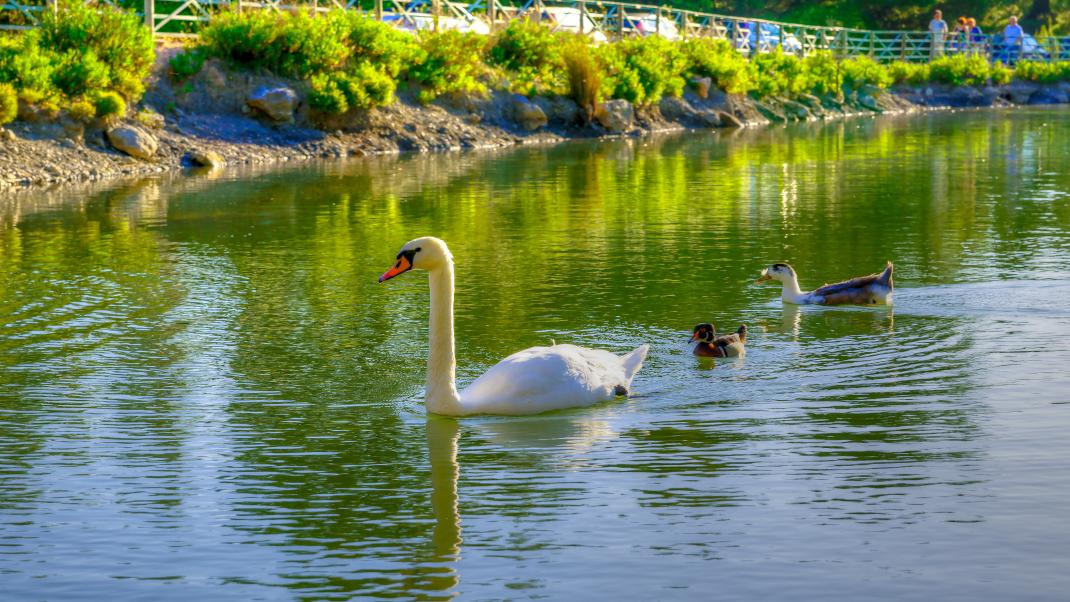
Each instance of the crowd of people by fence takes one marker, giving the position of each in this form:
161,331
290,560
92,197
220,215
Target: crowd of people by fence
968,38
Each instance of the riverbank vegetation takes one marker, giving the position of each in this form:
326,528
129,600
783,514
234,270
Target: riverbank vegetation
94,63
349,61
89,62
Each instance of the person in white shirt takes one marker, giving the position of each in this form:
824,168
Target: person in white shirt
1012,38
938,29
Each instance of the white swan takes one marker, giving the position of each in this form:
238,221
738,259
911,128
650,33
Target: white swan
534,380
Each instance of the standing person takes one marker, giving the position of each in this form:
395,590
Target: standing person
977,37
1012,40
937,30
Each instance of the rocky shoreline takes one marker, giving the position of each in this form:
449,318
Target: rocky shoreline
216,119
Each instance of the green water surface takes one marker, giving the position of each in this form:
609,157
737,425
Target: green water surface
205,395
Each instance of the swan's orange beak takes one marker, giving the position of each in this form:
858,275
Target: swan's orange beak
403,265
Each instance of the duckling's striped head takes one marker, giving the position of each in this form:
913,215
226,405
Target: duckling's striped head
704,333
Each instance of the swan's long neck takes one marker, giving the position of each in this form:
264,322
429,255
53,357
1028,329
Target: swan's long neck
791,293
442,397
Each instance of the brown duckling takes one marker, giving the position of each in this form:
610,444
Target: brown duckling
711,345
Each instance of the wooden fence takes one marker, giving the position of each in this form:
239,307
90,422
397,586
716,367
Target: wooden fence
603,21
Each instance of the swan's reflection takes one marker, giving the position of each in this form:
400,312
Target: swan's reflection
442,435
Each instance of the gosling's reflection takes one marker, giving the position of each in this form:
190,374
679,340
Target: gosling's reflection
442,436
825,322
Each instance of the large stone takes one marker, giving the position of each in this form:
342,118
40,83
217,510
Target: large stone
560,109
277,103
729,120
702,86
133,141
1048,95
867,101
1021,92
796,109
528,114
615,115
206,158
675,108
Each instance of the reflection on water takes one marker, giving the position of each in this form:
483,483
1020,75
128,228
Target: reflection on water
203,392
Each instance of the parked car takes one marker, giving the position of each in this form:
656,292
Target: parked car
563,18
417,20
648,24
1025,49
425,22
765,37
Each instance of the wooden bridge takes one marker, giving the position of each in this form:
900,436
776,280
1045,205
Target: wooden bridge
603,21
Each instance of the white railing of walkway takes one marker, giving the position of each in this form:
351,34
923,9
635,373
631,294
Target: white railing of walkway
602,20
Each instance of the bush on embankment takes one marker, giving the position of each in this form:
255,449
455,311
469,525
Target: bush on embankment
78,54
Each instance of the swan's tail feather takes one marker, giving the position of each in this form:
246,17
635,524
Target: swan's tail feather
886,275
634,361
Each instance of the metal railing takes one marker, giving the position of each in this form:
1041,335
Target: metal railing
602,21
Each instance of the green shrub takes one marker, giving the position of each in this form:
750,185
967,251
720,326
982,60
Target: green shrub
82,109
80,72
531,53
378,43
824,74
959,70
187,63
9,103
27,67
584,78
109,104
864,71
117,38
642,70
452,61
249,39
718,60
310,45
324,95
1000,74
903,72
780,74
1041,73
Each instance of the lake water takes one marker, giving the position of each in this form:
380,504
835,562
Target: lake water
204,394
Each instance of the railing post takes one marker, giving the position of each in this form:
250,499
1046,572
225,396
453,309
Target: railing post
872,44
436,10
150,16
583,18
620,22
378,10
491,14
239,6
657,21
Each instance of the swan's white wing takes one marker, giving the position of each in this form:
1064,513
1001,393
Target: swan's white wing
540,379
